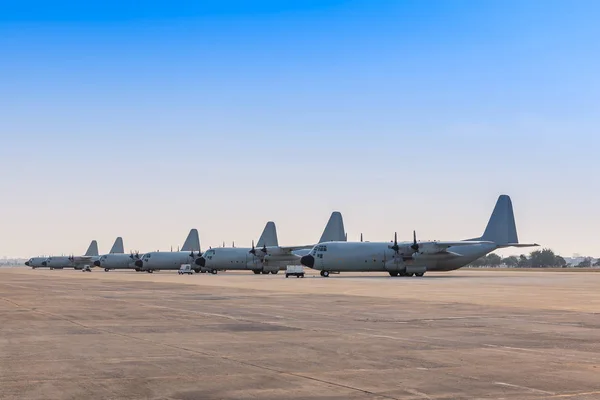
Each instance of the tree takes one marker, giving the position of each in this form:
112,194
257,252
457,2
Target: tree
561,262
524,261
544,258
586,263
494,260
511,261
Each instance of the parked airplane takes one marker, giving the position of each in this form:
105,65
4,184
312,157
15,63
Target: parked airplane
267,256
77,262
415,258
156,260
116,259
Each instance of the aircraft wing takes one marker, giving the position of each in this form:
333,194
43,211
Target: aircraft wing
440,247
290,249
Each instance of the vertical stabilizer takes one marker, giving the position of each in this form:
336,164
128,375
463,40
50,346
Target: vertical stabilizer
269,236
118,248
501,229
192,242
92,251
334,230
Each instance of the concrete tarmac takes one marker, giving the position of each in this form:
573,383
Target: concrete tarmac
480,334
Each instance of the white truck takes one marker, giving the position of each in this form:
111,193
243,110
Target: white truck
294,270
185,269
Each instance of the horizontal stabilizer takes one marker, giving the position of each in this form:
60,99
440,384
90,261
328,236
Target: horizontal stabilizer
519,245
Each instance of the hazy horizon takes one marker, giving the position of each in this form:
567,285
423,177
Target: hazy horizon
147,122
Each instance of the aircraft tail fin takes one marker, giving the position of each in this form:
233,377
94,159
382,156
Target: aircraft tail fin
501,228
334,230
92,251
192,242
269,236
118,247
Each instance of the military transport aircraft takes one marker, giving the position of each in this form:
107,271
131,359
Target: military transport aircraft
415,258
77,262
267,256
157,260
116,259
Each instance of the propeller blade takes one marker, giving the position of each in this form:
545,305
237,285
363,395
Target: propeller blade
415,245
361,237
253,251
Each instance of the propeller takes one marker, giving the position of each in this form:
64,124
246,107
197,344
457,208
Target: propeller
192,254
415,245
253,251
395,247
71,258
264,249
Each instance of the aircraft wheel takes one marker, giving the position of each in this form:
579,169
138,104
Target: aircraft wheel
149,271
411,274
137,270
197,270
402,273
420,274
106,270
274,272
256,271
393,273
325,274
214,271
265,272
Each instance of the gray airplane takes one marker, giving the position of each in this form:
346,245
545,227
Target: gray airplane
171,260
267,257
415,258
116,258
76,262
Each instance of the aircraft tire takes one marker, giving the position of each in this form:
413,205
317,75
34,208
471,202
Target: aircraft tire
411,274
393,273
274,272
257,271
197,270
106,269
265,272
325,274
420,274
214,271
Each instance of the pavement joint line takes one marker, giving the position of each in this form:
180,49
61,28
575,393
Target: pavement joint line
567,395
524,387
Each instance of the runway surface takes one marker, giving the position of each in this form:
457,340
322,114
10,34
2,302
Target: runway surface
68,334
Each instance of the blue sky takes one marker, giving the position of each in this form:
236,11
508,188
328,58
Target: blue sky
145,121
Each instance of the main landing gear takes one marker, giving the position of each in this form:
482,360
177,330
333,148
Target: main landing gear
396,273
325,274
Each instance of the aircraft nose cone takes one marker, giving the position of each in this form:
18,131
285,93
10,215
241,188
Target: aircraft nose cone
308,261
201,262
96,263
139,263
45,263
27,263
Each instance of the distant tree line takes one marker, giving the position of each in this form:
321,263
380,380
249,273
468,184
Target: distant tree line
544,258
